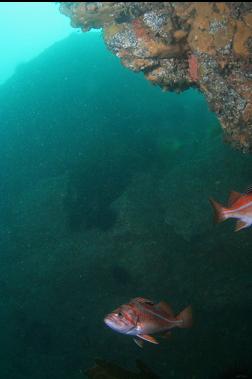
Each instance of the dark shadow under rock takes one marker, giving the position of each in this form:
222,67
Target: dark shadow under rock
91,190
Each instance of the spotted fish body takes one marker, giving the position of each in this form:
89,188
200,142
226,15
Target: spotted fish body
239,207
142,318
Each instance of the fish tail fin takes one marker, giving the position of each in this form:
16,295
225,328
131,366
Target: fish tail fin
186,317
219,211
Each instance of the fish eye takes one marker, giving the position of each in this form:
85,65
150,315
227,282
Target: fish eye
119,314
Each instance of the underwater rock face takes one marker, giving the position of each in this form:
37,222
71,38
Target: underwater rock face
109,370
182,44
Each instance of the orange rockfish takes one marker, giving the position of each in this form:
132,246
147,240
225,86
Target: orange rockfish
239,206
141,318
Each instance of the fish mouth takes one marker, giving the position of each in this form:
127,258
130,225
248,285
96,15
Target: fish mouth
109,321
112,322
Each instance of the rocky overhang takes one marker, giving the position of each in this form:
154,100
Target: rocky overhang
177,45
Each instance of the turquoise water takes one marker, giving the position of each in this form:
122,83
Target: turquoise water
26,30
105,182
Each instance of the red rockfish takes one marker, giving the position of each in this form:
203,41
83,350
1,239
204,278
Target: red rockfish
239,206
141,318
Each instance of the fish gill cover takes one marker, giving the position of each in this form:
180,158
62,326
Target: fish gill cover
104,197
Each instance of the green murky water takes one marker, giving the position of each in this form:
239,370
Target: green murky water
105,182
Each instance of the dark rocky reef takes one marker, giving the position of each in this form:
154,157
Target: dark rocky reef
109,370
182,44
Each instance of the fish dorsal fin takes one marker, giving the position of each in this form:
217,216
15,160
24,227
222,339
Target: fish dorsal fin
165,307
249,190
141,300
148,338
241,225
233,197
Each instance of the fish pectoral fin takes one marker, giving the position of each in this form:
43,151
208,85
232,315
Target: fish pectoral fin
148,338
241,225
138,342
